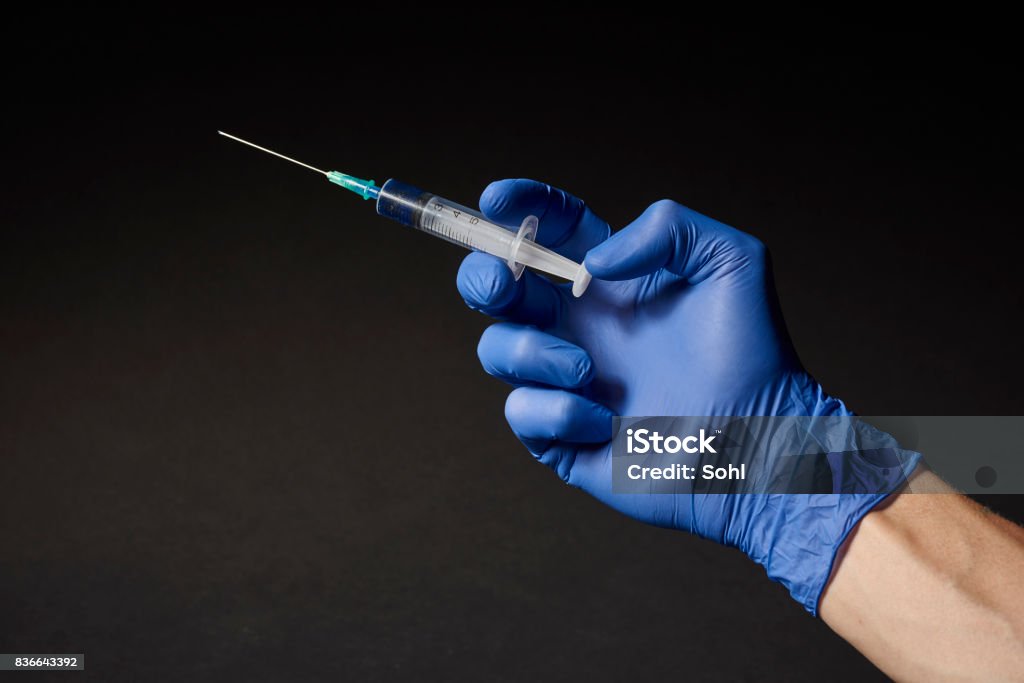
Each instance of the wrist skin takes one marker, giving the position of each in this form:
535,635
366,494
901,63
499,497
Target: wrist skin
929,586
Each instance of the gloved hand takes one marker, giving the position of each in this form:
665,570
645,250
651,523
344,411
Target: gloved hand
680,319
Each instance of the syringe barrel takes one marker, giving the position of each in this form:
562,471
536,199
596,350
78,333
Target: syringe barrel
467,228
442,218
401,202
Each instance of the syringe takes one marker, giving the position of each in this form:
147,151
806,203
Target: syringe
456,223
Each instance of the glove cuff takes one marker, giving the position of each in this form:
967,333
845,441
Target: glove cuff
796,537
808,530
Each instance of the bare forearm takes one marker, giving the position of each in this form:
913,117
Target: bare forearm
931,587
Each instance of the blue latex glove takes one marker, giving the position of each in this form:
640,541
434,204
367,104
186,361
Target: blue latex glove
680,319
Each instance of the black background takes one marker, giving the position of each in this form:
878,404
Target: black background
244,434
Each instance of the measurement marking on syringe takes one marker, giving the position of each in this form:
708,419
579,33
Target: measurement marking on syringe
439,226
